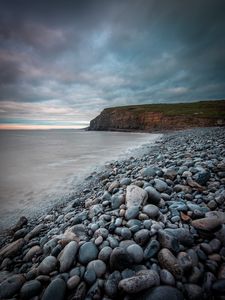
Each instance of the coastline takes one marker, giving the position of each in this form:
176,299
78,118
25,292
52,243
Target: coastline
99,215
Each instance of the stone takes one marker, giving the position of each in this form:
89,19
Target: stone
143,280
207,224
116,201
30,289
56,290
151,210
105,253
35,250
115,184
219,286
67,256
120,259
47,265
95,210
148,172
183,235
151,249
79,230
12,249
126,233
87,252
125,181
141,237
154,196
35,231
80,292
170,173
10,286
202,177
21,222
132,212
90,276
185,261
135,196
111,284
161,293
192,291
168,241
166,277
160,185
73,282
168,261
98,266
136,253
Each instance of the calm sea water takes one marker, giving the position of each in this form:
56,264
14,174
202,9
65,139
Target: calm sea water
39,168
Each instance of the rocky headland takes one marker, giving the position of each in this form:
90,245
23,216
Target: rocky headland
161,117
149,227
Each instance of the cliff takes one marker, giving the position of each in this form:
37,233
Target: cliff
156,117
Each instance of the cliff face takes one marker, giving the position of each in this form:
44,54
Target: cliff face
141,120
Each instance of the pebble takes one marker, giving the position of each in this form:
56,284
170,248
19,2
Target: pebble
87,252
56,290
132,212
136,253
98,266
120,259
162,292
166,277
10,286
47,265
151,249
143,280
168,261
141,237
151,210
67,256
35,250
12,248
30,289
154,196
135,196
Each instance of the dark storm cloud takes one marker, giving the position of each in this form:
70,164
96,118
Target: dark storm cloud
82,56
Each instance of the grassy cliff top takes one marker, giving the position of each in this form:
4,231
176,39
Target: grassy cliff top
204,109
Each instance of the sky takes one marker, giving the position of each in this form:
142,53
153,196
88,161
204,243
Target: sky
63,62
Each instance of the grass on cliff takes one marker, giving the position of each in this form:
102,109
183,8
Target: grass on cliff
203,109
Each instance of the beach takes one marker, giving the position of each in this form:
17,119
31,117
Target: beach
147,226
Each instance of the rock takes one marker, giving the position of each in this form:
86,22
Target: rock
141,237
111,284
34,232
35,250
79,230
168,241
166,277
148,172
219,286
151,210
87,252
90,276
98,266
168,261
161,293
80,292
10,286
47,265
183,235
12,249
193,291
21,222
160,185
154,196
30,289
125,181
151,249
143,280
115,184
136,253
116,201
67,257
170,173
126,233
185,261
135,196
120,259
202,177
207,224
132,212
95,210
73,282
105,253
56,290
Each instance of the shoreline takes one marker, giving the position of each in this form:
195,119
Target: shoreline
100,217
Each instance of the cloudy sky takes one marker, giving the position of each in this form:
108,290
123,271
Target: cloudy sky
62,62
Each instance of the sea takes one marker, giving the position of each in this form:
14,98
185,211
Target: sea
41,168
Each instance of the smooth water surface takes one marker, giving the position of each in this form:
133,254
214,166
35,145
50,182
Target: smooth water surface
40,168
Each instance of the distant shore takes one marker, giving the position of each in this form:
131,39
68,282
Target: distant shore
148,226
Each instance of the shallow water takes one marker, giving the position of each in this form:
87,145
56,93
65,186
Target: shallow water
41,168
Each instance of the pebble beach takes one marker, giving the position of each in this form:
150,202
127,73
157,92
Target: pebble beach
148,227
